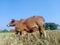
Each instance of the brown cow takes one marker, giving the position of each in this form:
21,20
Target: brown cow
36,22
30,24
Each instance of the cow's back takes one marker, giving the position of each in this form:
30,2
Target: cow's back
30,23
38,19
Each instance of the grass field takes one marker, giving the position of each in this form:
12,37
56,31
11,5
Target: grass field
53,38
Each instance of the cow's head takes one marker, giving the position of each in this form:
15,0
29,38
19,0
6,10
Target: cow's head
12,23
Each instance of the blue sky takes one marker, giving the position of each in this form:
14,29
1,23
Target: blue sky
17,9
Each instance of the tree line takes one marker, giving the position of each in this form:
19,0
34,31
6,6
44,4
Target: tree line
48,26
51,26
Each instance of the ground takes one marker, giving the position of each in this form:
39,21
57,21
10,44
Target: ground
53,38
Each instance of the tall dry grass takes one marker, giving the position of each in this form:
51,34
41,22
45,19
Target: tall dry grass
53,38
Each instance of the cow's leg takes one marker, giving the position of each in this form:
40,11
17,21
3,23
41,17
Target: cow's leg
42,30
16,32
20,33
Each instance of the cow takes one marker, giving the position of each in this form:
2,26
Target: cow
30,24
36,22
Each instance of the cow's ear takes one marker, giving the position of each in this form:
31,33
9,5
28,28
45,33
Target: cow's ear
13,19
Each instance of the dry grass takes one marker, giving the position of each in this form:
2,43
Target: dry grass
53,38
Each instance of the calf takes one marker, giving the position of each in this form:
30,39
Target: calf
18,24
